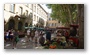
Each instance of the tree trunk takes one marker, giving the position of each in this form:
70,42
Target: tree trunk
77,19
81,25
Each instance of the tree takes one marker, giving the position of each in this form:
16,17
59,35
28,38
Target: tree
66,13
81,24
69,13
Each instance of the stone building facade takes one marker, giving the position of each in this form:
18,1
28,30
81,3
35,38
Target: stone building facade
19,16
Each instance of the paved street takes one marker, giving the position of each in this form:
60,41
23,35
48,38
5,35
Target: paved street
23,44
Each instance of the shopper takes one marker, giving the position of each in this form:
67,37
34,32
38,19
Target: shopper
36,36
15,39
28,34
32,33
48,35
41,40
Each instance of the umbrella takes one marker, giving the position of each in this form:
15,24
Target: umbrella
40,28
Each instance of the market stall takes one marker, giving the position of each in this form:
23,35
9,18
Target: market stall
73,39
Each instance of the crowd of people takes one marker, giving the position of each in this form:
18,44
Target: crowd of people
11,36
36,36
32,35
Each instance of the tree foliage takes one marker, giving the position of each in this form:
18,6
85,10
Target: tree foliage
66,13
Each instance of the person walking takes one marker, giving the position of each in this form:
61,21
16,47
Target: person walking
28,34
32,33
48,35
15,39
36,36
6,35
11,35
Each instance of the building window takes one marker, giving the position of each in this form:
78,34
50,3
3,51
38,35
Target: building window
49,18
27,5
49,24
37,10
31,15
37,18
21,10
12,8
31,6
35,7
26,12
34,17
4,6
52,24
55,24
26,24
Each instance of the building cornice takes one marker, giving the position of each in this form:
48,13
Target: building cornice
43,9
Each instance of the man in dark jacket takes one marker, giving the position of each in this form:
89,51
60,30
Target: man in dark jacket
73,32
48,35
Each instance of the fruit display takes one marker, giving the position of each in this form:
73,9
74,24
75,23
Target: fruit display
54,44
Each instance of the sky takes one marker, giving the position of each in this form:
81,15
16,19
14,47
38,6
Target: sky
45,7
